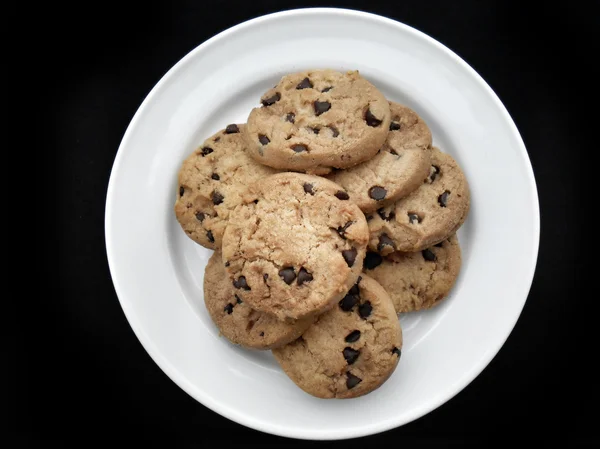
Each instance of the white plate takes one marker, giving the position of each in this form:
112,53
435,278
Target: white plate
158,271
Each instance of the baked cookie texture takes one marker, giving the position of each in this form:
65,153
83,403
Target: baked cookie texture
351,350
238,322
317,120
419,280
397,169
295,245
430,214
211,183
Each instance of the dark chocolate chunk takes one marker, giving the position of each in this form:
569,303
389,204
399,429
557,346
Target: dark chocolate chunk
384,241
308,188
350,355
433,172
262,334
271,100
428,255
263,139
232,129
371,119
217,198
265,277
341,230
215,176
237,299
394,126
341,195
397,352
443,198
413,218
334,130
228,308
210,237
352,336
321,107
327,89
299,148
200,216
304,84
439,245
291,117
304,276
377,193
181,190
352,380
348,301
241,283
349,256
365,309
382,214
206,151
372,260
287,275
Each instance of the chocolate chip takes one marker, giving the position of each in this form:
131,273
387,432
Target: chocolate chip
327,89
341,230
262,334
394,126
314,130
287,274
352,380
181,190
291,117
428,255
265,277
371,119
397,352
263,139
200,216
206,151
364,310
299,148
217,198
382,214
228,308
413,218
210,237
369,217
384,241
372,260
227,264
350,355
348,301
433,172
255,201
304,84
216,139
237,299
334,130
394,153
304,276
439,245
377,193
215,177
349,256
341,195
232,129
443,198
352,336
271,100
354,290
241,283
321,106
308,188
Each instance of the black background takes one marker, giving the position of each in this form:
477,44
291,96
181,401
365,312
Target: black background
86,378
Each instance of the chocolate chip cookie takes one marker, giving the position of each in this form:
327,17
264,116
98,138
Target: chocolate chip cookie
430,214
317,120
397,169
295,245
350,350
417,280
237,321
211,182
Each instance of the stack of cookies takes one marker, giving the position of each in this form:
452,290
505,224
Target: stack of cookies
330,213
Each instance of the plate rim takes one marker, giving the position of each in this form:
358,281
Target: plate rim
249,421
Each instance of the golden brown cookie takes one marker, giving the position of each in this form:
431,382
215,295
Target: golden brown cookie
351,350
318,119
430,214
397,169
237,321
211,183
295,245
419,280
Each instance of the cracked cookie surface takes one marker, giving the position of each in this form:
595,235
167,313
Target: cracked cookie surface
317,120
295,246
211,183
236,320
418,280
430,214
351,349
397,169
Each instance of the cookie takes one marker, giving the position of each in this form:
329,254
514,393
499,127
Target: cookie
211,182
317,120
237,321
420,280
295,246
397,169
430,214
351,350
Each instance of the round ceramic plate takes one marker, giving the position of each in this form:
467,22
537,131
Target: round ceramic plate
158,271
